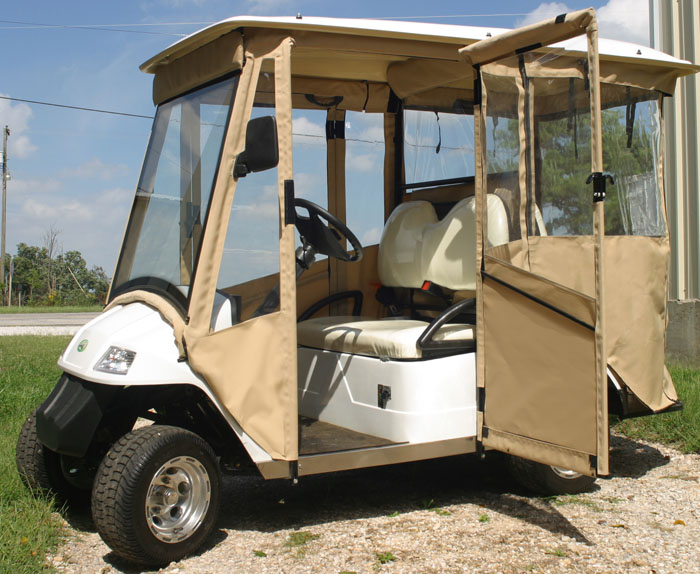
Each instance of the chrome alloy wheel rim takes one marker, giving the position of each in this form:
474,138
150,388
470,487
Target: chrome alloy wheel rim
564,473
178,499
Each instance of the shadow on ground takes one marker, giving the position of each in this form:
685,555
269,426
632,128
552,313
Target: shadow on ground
632,459
250,503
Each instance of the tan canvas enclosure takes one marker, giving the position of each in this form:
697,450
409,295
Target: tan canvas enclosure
552,320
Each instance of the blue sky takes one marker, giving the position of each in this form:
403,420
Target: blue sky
76,170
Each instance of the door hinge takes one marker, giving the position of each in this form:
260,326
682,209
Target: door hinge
477,86
289,210
335,130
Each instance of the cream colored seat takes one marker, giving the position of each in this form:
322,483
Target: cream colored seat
386,338
415,247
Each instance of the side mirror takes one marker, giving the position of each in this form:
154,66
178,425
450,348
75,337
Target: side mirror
261,151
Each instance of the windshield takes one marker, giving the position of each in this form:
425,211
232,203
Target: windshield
172,198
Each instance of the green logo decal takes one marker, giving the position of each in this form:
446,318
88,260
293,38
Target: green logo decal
82,345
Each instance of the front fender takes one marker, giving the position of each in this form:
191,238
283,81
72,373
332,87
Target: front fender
67,420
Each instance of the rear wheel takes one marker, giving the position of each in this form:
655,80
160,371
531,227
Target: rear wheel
545,479
156,494
43,470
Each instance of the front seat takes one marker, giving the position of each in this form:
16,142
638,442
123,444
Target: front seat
415,247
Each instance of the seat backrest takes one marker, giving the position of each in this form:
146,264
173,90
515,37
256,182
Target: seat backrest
401,245
511,203
416,247
449,246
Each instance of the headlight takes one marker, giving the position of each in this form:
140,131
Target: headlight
115,361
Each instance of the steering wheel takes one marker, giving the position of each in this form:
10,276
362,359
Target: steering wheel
321,236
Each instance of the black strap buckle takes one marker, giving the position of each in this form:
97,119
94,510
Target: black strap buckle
599,178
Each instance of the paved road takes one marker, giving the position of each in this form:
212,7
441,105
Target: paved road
43,323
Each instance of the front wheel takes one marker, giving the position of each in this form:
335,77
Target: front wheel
548,480
156,494
43,470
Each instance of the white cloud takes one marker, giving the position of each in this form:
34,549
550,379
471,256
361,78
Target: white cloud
49,211
366,127
95,168
37,185
371,236
543,12
16,117
183,3
93,225
369,134
362,162
110,204
256,203
304,126
626,20
311,186
268,6
22,146
116,198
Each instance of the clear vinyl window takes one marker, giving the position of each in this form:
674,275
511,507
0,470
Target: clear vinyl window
364,175
631,140
538,140
438,145
562,155
248,283
172,198
310,152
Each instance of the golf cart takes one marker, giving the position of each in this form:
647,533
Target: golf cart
357,243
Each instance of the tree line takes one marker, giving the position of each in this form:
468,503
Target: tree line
47,276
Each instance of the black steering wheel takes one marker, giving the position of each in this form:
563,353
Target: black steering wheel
321,236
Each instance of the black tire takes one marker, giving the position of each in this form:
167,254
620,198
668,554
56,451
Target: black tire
548,480
138,468
41,469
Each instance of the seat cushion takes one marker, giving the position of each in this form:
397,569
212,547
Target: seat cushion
384,338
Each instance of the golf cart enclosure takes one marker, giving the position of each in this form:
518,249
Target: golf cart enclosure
359,243
570,290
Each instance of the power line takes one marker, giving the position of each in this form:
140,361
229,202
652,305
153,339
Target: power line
20,25
134,25
76,108
443,16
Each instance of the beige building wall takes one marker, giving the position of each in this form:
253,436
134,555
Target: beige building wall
675,29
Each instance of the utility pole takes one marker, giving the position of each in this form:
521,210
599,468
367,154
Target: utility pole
5,133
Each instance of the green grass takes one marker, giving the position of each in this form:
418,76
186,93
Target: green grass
681,430
557,552
41,309
28,529
567,499
299,538
430,506
385,557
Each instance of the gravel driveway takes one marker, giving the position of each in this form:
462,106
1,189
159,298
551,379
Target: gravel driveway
452,515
